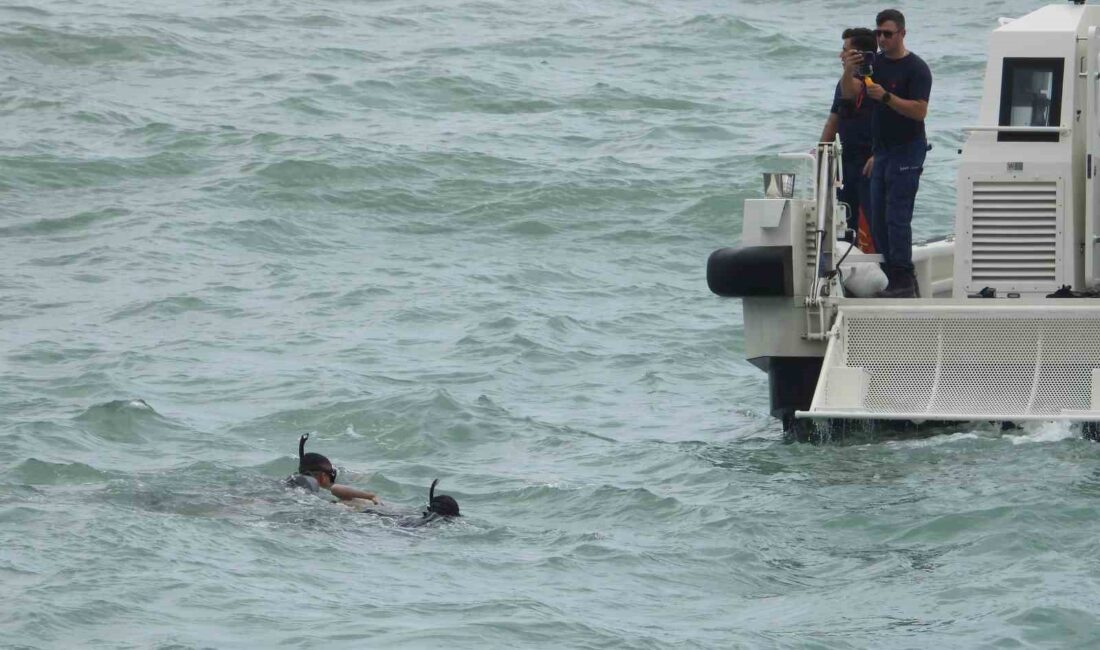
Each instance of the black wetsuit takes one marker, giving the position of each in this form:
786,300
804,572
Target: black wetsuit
303,481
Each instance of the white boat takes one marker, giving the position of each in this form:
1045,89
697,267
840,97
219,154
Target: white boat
1008,325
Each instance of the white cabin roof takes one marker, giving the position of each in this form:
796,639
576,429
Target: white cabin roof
1052,18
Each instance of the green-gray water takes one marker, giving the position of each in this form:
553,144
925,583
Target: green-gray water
466,240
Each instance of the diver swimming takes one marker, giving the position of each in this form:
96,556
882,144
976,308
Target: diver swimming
316,473
441,507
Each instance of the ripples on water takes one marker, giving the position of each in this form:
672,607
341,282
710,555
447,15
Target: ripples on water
465,240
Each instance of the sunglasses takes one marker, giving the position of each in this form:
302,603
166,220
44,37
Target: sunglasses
885,33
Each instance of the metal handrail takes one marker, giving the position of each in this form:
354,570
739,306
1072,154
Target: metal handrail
1019,129
845,414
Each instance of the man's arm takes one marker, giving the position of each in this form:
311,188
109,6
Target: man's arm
345,493
849,82
914,109
829,132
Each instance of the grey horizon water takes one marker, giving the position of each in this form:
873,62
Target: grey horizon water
466,240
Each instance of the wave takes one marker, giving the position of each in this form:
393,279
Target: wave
279,236
310,173
38,472
125,420
28,172
531,227
166,308
307,105
23,9
13,104
605,97
76,222
70,48
721,23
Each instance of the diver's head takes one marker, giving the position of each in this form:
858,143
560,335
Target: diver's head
442,504
318,467
315,465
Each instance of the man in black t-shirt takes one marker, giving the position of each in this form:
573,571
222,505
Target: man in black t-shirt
851,119
900,88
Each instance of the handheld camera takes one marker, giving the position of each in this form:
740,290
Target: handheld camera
866,64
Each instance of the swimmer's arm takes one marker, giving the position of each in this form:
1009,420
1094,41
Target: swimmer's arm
345,493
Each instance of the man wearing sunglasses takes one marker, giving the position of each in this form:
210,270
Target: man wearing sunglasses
900,87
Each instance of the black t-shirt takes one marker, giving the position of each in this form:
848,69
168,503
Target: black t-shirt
907,78
854,124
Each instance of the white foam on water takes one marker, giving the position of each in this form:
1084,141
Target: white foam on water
936,441
1053,431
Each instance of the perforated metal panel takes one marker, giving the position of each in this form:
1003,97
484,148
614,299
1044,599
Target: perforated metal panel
1015,231
945,361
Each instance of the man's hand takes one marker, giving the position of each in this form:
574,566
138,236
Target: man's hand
851,60
868,166
876,92
849,85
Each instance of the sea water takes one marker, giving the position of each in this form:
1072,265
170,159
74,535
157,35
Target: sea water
467,240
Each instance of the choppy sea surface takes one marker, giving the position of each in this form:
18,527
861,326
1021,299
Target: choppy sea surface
466,240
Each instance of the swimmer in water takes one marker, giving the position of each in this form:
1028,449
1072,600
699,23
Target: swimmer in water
443,505
440,508
315,472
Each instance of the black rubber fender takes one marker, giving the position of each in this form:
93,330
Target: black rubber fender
751,271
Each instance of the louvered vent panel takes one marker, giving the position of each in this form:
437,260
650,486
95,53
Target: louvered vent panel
811,243
811,248
1015,233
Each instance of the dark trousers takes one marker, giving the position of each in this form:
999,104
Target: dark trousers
894,183
857,190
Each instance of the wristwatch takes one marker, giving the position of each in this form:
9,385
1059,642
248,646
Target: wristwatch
886,97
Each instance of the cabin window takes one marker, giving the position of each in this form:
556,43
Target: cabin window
1031,95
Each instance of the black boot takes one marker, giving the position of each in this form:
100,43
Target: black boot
903,284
